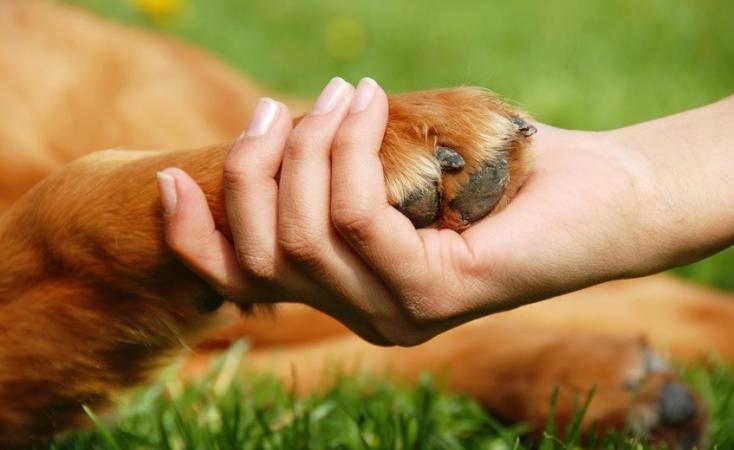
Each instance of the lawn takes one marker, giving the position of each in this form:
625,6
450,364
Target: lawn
576,64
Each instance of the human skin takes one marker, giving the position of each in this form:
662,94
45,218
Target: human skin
597,206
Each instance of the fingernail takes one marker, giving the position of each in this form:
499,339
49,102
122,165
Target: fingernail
263,117
330,96
362,98
167,188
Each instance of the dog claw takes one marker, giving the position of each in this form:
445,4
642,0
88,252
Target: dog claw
524,128
655,364
449,158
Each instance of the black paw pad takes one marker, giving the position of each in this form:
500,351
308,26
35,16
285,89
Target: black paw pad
421,207
677,405
482,191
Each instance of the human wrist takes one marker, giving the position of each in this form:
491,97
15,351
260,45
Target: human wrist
575,222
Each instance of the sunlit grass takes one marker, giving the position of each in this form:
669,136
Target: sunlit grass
257,412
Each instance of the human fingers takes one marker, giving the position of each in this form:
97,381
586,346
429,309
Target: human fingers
251,191
305,234
303,221
359,207
191,233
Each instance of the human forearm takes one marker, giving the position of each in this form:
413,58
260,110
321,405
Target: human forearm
687,195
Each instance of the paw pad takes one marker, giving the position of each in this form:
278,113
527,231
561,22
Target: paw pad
453,156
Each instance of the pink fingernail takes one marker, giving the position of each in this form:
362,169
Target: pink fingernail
167,188
365,92
263,117
330,96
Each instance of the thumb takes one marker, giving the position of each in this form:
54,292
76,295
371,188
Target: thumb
191,233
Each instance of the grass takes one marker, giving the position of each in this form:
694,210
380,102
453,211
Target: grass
573,63
224,412
261,414
355,413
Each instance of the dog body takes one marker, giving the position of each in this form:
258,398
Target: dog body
91,299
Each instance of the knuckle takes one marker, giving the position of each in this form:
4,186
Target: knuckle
300,141
351,221
234,175
298,245
345,139
258,267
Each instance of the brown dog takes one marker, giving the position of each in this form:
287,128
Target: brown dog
91,299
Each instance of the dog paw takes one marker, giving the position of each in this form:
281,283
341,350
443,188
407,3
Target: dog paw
664,410
452,156
633,389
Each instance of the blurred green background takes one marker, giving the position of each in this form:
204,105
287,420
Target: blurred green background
572,63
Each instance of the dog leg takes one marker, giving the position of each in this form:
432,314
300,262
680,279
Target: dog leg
91,298
682,320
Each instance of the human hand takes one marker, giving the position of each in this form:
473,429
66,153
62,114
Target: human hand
273,248
274,209
333,241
